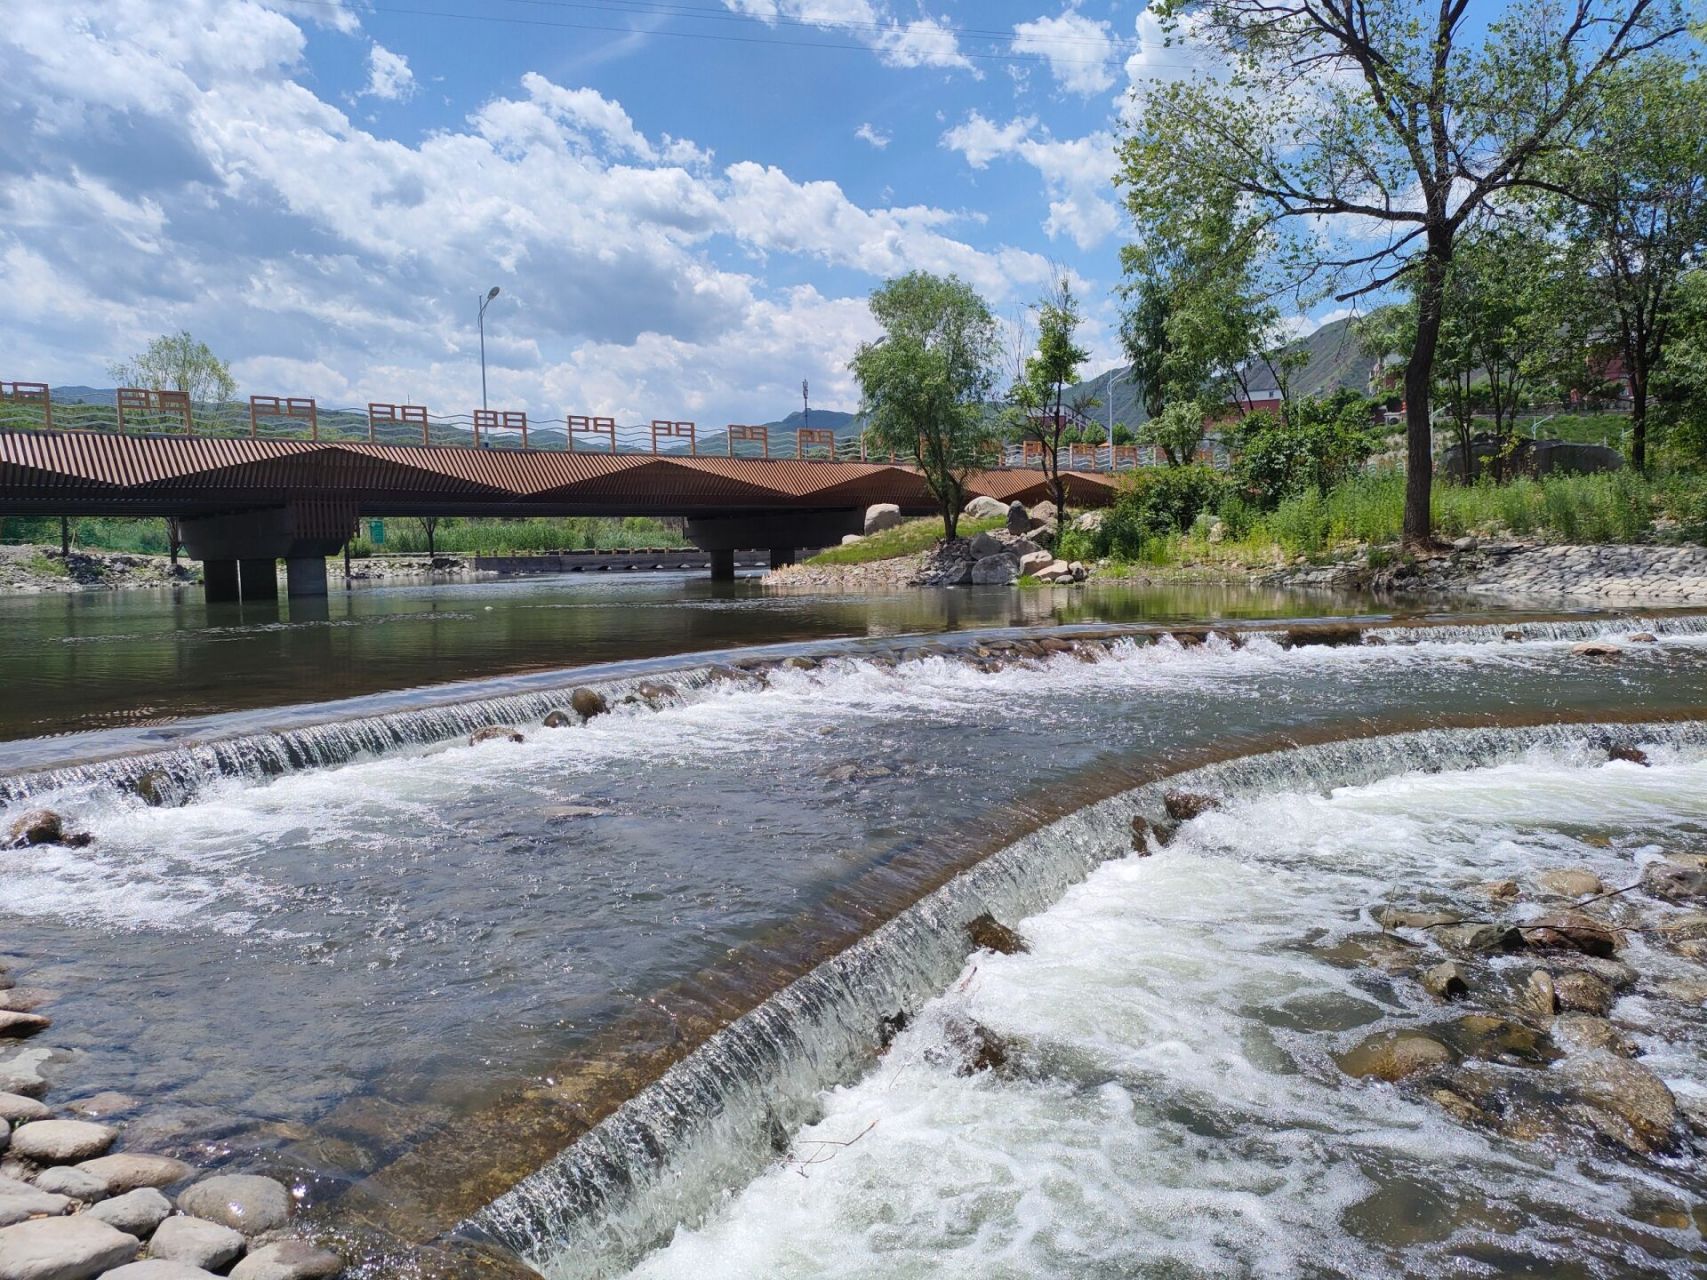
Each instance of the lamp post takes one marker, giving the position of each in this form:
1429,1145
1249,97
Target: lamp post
1114,376
484,303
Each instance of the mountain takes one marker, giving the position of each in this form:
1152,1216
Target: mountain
1334,362
84,395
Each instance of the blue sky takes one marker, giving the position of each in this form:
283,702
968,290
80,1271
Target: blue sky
685,202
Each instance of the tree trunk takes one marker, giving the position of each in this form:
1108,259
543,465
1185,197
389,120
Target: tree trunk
1418,532
1639,420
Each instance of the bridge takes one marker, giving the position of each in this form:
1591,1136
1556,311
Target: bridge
245,502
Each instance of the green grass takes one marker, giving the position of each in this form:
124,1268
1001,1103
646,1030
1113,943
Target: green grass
485,536
903,540
48,566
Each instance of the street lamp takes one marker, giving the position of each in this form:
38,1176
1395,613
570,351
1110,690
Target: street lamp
484,303
1114,376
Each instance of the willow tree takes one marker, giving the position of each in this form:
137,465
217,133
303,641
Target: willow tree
926,382
1365,134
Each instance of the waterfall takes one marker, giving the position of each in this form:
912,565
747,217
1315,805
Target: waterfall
714,1120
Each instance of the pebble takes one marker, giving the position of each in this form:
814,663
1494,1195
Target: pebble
102,1104
21,1073
249,1203
135,1213
68,1180
128,1170
196,1241
63,1249
288,1260
61,1141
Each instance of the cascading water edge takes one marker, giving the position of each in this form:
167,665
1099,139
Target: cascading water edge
719,1117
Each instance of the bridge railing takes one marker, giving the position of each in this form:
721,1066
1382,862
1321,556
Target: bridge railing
29,406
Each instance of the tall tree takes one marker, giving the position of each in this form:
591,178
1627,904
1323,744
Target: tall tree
926,382
1637,206
1052,368
1367,133
178,362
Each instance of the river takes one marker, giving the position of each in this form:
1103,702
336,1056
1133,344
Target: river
409,971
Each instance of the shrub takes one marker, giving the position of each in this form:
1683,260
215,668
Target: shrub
1154,503
1319,445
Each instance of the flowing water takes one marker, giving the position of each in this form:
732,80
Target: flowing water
409,971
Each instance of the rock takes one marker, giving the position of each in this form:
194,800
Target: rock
1055,571
588,703
655,693
1141,831
880,516
985,508
19,1202
1643,637
1675,880
969,1047
1629,754
1446,981
289,1260
15,1108
96,1105
1579,992
1569,882
154,787
22,1072
1538,995
1404,918
62,1249
61,1141
1033,561
1089,521
158,1269
1019,519
1499,890
852,539
196,1241
1328,636
1375,950
995,571
39,826
23,999
1596,649
1183,806
135,1213
129,1170
1614,973
1393,1055
1583,1033
557,718
1689,928
1622,1100
15,1026
494,733
1571,931
987,544
1478,938
991,935
249,1203
79,1184
1046,511
1684,990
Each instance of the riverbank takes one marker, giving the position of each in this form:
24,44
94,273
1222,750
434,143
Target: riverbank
35,569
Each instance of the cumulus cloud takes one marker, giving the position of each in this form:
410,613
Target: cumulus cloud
1080,50
925,41
182,173
1077,173
870,133
388,75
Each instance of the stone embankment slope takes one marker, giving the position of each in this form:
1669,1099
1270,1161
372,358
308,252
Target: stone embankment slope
40,570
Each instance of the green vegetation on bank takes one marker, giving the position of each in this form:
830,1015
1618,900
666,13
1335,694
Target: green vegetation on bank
903,540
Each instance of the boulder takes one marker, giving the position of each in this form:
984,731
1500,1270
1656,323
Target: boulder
79,1184
1569,882
1689,928
15,1109
1393,1055
1408,918
39,826
968,1047
22,1071
990,934
1032,561
196,1241
1583,1033
1571,931
154,787
1375,950
987,544
1019,519
1537,995
1446,981
995,571
135,1213
63,1249
246,1202
1499,890
557,718
15,1026
494,733
1675,879
1622,1100
1579,992
1055,571
1596,649
588,703
1643,637
1497,1039
1629,754
128,1170
1045,512
1478,939
880,516
19,1202
109,1103
1183,806
985,508
289,1260
61,1141
1089,521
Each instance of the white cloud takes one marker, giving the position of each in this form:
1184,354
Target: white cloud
1080,50
388,75
925,41
1077,173
870,133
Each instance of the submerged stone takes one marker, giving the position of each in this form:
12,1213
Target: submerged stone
493,733
1621,1100
246,1202
588,703
40,826
1579,992
1568,882
1571,931
990,934
1446,981
1183,806
289,1260
1676,879
1395,1055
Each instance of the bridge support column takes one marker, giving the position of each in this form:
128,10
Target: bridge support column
260,578
782,531
723,565
781,556
219,581
305,576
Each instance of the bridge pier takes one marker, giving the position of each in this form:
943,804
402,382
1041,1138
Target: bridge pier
305,576
781,531
219,581
781,557
260,578
723,565
241,549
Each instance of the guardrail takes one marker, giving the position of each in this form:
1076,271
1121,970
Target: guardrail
138,411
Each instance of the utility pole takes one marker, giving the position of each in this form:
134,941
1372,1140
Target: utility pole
484,303
805,404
